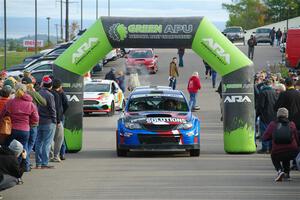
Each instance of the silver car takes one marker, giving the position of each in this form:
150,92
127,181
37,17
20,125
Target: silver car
262,35
235,34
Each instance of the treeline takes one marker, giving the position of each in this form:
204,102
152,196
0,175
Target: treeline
253,13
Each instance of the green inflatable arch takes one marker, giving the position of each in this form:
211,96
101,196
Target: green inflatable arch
187,32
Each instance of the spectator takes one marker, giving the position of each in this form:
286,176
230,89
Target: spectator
180,55
121,80
111,75
65,105
38,100
23,114
173,73
283,134
278,36
266,101
290,99
10,168
46,128
193,86
59,131
213,78
219,91
251,44
207,70
279,87
3,75
5,94
272,35
133,81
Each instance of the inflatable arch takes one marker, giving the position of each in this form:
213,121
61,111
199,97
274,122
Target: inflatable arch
196,33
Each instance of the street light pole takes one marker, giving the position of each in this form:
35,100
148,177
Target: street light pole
48,19
81,23
4,66
61,21
108,7
35,26
67,21
96,9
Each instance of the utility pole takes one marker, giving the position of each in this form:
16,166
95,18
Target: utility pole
96,9
67,21
108,7
35,26
5,31
56,28
81,23
48,19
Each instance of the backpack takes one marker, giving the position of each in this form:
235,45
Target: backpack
282,133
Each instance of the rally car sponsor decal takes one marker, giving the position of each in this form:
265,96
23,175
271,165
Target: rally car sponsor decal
165,120
157,95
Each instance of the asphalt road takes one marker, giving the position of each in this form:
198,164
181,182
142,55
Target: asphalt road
97,173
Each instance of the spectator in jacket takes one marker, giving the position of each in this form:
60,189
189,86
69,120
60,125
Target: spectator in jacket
251,44
23,114
59,131
180,55
65,105
278,36
272,35
11,170
290,99
173,73
111,75
38,100
4,98
266,101
282,154
47,125
121,80
193,86
207,70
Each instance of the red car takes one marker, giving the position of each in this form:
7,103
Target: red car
141,61
292,52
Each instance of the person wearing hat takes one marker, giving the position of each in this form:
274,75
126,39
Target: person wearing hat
37,100
285,142
265,110
111,75
11,170
46,127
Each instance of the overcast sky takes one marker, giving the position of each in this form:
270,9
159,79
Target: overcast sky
210,8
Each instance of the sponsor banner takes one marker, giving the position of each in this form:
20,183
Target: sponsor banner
151,32
31,43
217,50
238,98
86,52
165,120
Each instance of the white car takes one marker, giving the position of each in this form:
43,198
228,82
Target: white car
102,96
112,55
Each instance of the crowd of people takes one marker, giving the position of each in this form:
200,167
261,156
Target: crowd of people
277,104
31,118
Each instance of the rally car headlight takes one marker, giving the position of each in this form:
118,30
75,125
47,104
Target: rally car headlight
131,125
185,126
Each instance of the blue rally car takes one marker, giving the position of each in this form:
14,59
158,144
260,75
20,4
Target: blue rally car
157,118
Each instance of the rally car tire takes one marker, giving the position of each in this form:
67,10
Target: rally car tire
194,152
121,152
112,110
123,105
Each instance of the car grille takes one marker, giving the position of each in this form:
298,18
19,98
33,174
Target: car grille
159,128
159,138
90,102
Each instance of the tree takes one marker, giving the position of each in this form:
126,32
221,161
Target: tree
12,45
74,29
246,13
279,10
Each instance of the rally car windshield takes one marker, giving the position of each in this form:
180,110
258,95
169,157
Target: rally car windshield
96,88
157,103
140,54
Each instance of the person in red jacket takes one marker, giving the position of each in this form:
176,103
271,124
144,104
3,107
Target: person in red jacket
193,86
284,149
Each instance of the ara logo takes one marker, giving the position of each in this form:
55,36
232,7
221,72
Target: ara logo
73,98
216,49
84,49
237,99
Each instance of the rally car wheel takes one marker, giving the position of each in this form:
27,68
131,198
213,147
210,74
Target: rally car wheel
195,152
112,109
123,105
121,152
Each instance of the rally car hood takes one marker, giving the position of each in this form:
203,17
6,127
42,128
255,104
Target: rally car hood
162,118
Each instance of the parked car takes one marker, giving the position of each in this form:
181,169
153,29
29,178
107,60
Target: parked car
292,53
112,55
102,96
235,34
262,35
157,118
141,60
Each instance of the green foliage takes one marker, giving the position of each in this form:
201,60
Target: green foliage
279,10
246,13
